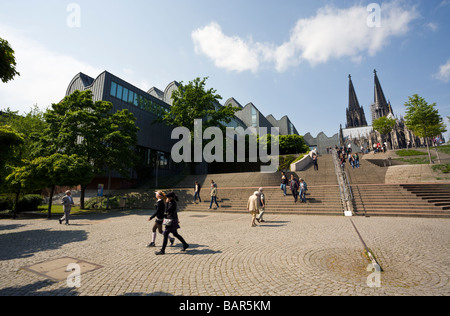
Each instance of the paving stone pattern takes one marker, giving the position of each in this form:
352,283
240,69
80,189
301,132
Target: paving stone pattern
289,255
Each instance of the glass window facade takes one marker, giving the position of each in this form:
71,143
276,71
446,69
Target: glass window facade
143,102
254,117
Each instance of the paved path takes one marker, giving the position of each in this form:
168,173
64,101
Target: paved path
288,255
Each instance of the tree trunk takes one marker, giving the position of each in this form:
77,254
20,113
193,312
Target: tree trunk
428,149
15,205
82,193
50,201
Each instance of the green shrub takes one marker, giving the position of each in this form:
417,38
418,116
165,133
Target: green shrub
6,203
96,202
444,168
29,203
285,162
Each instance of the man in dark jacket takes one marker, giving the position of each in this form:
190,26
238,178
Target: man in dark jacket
294,185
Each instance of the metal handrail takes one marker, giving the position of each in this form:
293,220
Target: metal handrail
345,190
337,169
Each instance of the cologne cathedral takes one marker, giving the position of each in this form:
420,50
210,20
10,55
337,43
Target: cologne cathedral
359,133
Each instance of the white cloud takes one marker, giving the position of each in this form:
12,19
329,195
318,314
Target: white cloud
44,74
432,26
231,53
332,34
444,72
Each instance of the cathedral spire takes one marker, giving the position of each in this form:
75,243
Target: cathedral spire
353,102
355,113
380,107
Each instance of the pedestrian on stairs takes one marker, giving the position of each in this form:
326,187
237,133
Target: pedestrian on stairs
197,188
283,183
316,166
294,185
213,194
303,189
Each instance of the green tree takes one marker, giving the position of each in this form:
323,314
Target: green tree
423,119
31,125
193,101
79,126
11,143
384,125
7,62
292,144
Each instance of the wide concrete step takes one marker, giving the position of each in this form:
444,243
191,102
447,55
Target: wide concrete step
435,194
393,200
321,199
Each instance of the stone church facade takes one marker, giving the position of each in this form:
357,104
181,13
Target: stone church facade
358,133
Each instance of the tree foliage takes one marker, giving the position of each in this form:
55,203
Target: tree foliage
79,126
292,144
384,125
10,144
423,119
7,62
193,101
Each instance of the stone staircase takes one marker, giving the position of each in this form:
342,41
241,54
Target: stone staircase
436,194
234,190
372,197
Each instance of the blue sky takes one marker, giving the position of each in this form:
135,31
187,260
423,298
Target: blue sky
287,57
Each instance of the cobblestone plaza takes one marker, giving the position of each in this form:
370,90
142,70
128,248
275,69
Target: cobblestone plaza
288,255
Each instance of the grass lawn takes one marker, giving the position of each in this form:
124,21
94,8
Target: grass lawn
417,160
410,152
444,168
58,210
444,149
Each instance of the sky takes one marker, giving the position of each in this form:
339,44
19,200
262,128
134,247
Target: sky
287,57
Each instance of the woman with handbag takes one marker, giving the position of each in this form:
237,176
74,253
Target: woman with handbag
171,222
160,207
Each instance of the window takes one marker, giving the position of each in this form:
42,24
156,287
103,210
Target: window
119,92
130,96
254,117
113,88
125,95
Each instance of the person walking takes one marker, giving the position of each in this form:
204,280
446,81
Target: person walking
67,202
172,223
160,207
213,195
283,183
303,189
197,188
350,160
356,159
252,207
294,185
261,206
316,166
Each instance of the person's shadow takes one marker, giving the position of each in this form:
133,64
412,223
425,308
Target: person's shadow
27,243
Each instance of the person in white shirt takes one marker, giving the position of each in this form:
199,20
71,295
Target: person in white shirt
67,202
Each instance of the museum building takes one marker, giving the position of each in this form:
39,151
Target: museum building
154,139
